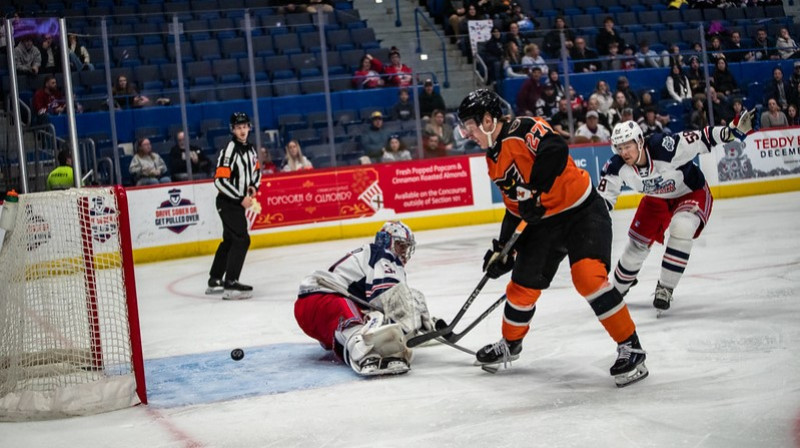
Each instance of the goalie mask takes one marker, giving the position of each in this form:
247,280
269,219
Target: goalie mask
397,238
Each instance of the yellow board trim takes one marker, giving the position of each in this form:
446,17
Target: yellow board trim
359,229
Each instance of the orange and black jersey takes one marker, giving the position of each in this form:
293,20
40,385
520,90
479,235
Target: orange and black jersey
529,154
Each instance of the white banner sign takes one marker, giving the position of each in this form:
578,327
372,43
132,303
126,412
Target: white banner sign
770,153
479,31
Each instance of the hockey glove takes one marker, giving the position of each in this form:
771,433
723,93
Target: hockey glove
493,265
744,125
530,207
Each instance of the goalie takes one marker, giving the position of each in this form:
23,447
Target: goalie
331,305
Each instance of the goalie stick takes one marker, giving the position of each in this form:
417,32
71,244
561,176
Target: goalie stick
415,341
340,290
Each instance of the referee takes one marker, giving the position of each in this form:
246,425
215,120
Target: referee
237,178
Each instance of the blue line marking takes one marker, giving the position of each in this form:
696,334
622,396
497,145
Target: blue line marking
211,377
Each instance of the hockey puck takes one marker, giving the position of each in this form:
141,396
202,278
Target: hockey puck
237,354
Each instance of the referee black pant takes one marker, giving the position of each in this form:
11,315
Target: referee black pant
229,258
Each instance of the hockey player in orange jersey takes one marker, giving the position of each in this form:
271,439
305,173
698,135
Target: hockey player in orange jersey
530,163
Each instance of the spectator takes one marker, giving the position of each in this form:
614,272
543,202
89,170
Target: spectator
625,87
722,80
592,130
620,103
51,59
613,60
432,147
399,74
578,112
492,55
547,104
49,100
778,89
787,47
438,127
697,78
774,116
628,59
552,40
792,116
723,111
201,166
738,109
319,5
374,137
513,36
395,150
765,48
368,74
456,13
561,121
602,93
295,160
715,51
403,109
699,119
593,105
674,56
647,58
147,167
532,58
530,92
474,12
736,52
648,122
429,100
525,23
678,85
585,60
79,56
265,160
794,80
62,177
553,78
607,36
126,96
27,57
648,102
512,67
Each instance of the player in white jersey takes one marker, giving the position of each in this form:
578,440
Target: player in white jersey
361,307
676,196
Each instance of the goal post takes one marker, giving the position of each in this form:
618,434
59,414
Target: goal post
69,328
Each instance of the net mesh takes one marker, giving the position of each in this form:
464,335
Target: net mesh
63,312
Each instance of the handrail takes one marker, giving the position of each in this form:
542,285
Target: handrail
417,13
397,21
478,59
110,170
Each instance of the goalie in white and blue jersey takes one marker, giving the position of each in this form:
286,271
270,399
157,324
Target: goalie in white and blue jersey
677,196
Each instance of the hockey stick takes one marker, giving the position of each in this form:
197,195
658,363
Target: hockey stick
340,290
415,341
455,337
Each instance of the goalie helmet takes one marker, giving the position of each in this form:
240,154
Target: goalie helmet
625,132
397,238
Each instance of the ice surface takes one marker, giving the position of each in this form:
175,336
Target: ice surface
724,362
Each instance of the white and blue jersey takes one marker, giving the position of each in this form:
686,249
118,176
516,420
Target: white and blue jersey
670,171
366,273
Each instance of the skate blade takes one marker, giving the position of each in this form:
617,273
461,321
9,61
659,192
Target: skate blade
213,290
493,367
387,371
236,295
660,313
634,376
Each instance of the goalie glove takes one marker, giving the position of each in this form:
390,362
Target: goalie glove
493,265
744,125
406,307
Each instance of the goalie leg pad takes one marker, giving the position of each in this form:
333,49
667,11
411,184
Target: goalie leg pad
374,348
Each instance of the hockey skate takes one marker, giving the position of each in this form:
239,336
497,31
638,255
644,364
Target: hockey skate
215,286
629,367
501,352
237,291
374,365
662,299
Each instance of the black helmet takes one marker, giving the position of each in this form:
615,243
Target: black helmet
239,118
478,103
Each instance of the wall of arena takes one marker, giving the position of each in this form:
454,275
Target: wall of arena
179,220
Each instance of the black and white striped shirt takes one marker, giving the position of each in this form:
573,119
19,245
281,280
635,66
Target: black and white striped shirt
237,169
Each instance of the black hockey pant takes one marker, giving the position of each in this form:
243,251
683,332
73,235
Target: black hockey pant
229,258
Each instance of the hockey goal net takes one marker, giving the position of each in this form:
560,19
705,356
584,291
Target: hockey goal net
69,330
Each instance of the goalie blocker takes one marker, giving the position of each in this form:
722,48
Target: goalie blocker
369,341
